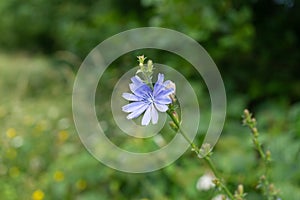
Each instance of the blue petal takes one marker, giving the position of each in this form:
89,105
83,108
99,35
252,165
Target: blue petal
157,88
154,115
133,106
163,100
160,78
163,93
147,117
142,91
166,83
136,83
169,85
131,97
161,107
137,112
159,84
133,87
136,80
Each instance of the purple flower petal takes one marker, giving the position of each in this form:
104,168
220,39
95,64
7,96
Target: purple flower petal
131,97
154,115
147,117
133,106
165,92
138,112
158,88
167,83
160,78
159,84
133,87
170,85
141,90
163,100
161,107
136,80
136,83
147,101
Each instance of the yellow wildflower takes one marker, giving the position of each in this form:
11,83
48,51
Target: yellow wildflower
59,176
63,136
81,184
38,195
11,133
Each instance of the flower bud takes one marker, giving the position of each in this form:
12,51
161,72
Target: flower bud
170,85
176,117
205,150
240,189
141,60
149,66
246,112
217,182
271,187
173,126
205,182
255,132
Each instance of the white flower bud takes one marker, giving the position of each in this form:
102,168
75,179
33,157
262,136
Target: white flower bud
205,182
170,84
220,197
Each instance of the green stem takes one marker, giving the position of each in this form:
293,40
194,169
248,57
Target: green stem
259,149
197,151
182,132
264,156
148,80
213,168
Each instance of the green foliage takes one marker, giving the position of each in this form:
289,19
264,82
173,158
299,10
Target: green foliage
76,26
254,43
40,150
257,39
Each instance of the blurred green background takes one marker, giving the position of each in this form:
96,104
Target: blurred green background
254,43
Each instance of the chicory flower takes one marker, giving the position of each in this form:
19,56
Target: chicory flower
146,100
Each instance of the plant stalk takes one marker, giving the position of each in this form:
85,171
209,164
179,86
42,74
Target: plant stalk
206,157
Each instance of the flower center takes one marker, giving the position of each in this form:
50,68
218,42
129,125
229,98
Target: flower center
150,98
